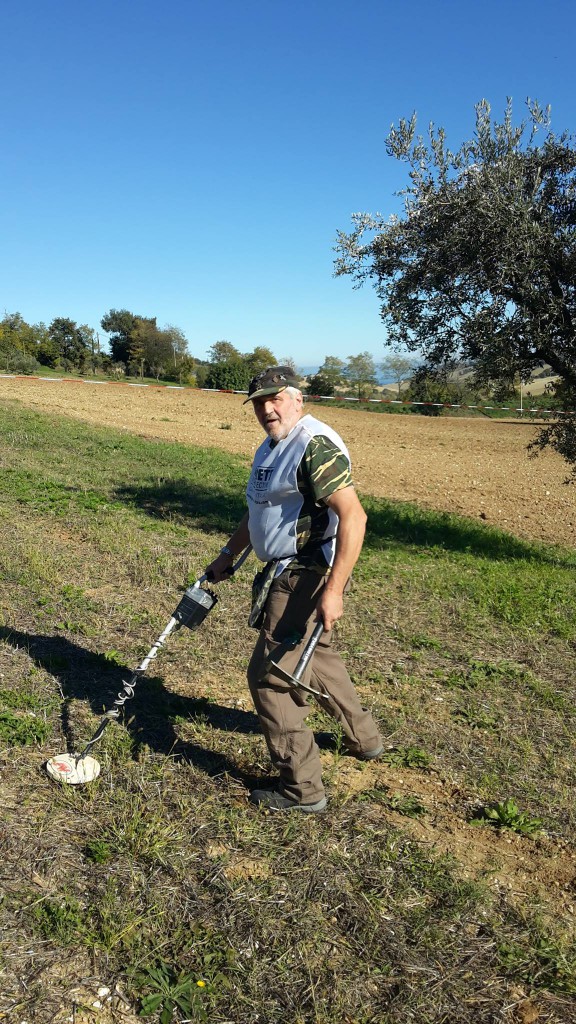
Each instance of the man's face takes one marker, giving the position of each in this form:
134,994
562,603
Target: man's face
277,414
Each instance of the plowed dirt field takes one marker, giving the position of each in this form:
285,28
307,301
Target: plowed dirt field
475,467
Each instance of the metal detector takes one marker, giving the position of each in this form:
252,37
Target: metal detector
196,603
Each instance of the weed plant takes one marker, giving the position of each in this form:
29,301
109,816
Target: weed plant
160,878
507,814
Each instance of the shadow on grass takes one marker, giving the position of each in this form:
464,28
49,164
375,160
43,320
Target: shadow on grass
150,715
404,523
214,509
218,508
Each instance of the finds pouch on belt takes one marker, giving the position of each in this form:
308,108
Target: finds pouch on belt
260,589
310,558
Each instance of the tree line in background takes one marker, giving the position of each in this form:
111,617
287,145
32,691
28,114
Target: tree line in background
139,348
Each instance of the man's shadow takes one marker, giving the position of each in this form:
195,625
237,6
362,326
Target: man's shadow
149,716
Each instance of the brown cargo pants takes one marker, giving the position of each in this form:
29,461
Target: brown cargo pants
290,612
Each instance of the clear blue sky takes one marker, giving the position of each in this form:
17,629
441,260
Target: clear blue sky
194,161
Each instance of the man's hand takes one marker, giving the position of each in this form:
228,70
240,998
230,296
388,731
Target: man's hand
330,607
219,569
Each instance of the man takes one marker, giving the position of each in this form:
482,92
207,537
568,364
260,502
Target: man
305,521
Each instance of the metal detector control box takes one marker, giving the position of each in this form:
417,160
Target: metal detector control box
194,607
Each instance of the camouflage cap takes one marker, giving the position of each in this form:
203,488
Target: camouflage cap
271,381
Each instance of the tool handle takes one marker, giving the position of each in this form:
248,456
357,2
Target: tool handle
230,572
308,652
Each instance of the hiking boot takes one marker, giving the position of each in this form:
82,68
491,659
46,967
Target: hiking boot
368,755
272,800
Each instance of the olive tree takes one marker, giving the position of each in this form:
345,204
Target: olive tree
399,367
223,352
329,377
360,373
481,264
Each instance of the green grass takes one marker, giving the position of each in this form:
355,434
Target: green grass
160,875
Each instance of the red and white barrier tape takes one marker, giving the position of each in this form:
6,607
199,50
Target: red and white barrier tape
323,398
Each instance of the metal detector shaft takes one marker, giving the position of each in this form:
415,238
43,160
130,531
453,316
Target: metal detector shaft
129,687
176,621
295,679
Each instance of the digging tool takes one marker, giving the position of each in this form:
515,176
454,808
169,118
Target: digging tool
296,678
196,603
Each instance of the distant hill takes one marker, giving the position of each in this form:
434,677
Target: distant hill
539,378
536,385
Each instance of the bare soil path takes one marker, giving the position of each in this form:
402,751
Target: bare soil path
475,467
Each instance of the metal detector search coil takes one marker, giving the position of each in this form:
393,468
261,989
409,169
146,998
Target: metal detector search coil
72,770
194,607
